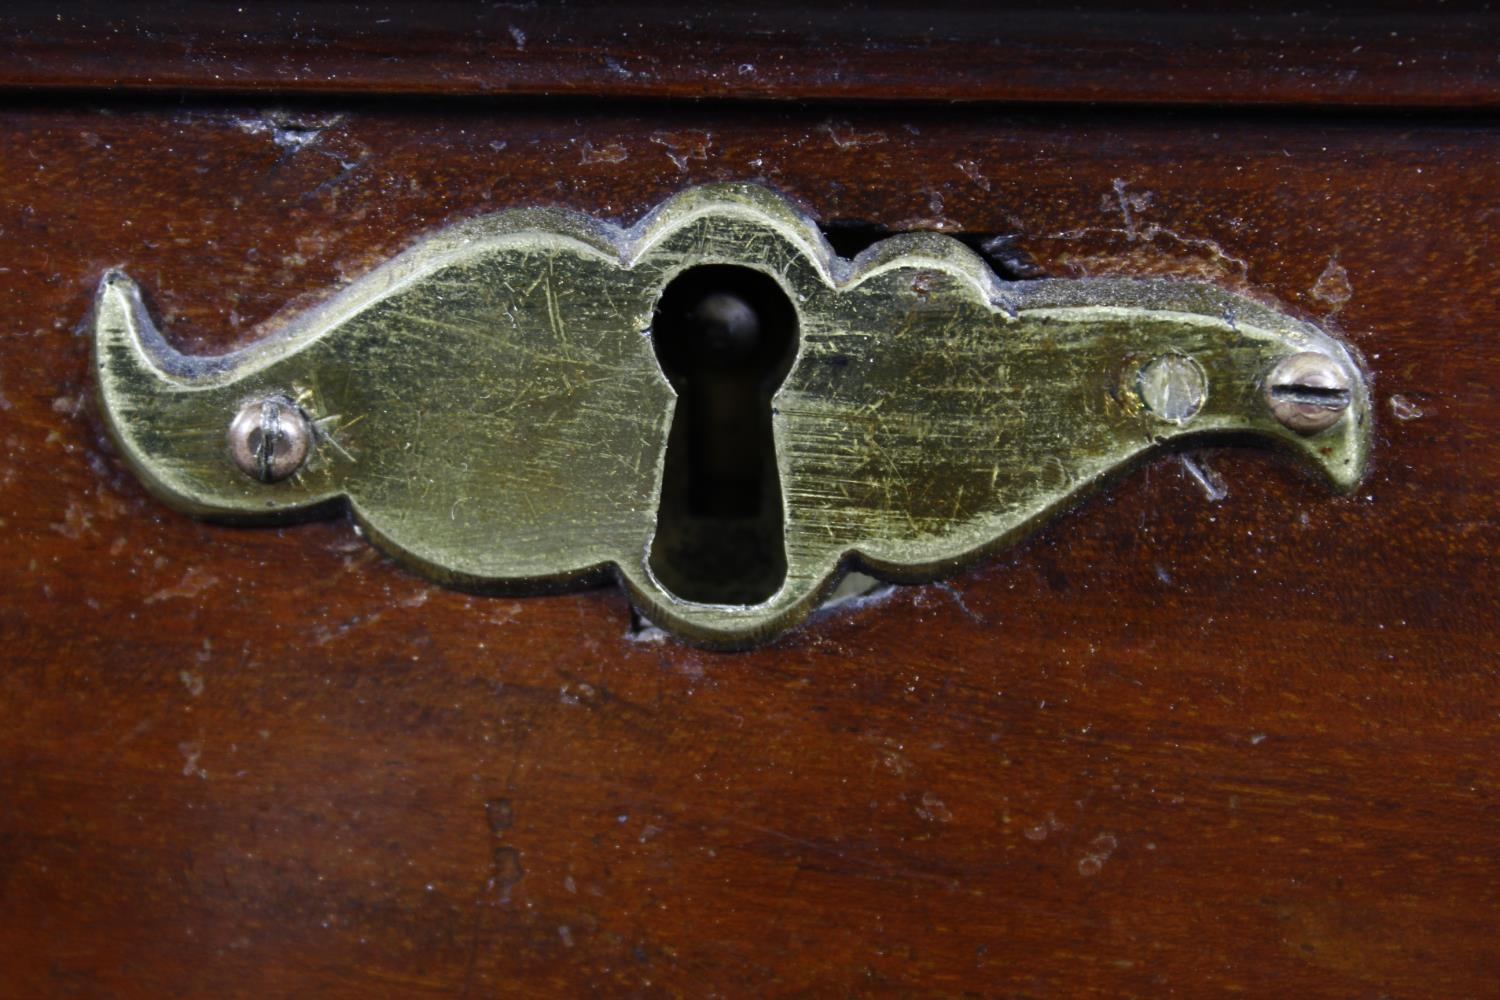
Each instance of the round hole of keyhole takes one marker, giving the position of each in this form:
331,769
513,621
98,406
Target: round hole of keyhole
725,337
723,318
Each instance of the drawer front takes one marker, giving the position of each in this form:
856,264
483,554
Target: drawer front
1215,728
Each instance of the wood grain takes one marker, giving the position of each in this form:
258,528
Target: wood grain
1169,746
1373,55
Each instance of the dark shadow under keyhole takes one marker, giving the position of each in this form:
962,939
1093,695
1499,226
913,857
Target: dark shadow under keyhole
725,336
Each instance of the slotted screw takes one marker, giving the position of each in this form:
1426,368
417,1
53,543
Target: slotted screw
269,439
1308,392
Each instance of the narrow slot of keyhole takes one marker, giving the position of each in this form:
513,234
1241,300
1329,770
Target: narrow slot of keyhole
725,337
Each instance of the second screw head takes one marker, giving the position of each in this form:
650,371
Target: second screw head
1174,387
269,439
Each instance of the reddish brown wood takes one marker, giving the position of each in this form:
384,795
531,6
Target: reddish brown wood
1441,55
1167,747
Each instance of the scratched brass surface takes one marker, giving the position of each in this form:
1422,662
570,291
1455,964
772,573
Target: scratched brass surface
490,405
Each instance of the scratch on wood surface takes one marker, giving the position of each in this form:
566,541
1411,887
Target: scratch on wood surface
1212,484
193,583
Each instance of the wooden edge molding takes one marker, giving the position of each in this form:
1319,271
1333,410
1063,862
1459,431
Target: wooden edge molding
889,52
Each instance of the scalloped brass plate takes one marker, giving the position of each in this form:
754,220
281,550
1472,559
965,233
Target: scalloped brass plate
490,404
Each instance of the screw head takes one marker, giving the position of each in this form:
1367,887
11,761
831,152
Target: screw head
1308,392
1174,387
270,438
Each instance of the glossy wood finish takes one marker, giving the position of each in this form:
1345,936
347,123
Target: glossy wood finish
1171,746
1386,54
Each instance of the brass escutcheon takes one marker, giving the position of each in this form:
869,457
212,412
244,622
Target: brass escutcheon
498,405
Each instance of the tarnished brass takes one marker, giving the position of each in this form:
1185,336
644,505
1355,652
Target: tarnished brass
492,407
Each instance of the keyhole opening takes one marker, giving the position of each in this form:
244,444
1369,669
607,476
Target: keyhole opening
725,337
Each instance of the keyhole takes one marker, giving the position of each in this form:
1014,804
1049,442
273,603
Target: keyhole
725,337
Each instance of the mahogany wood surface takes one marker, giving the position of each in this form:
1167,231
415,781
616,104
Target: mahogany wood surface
1371,54
1170,746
